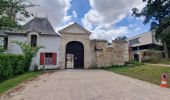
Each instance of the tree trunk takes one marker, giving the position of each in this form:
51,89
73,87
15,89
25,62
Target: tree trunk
165,50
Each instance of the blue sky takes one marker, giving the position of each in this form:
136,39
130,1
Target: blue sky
106,19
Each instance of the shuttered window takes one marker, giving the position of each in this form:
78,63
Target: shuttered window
41,58
48,58
54,58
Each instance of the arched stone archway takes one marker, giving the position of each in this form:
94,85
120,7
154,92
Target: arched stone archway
75,33
74,55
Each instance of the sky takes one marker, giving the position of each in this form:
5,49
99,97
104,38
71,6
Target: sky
106,19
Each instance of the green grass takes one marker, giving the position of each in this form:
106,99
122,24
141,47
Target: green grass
143,72
8,84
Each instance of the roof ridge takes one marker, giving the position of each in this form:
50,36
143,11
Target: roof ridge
40,24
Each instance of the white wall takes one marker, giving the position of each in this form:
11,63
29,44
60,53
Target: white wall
51,44
145,38
1,41
14,48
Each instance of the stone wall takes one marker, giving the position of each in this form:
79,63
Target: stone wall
97,53
82,38
151,54
104,55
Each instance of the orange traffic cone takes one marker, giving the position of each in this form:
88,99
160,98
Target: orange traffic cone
164,81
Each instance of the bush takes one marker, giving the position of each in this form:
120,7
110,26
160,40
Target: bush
11,65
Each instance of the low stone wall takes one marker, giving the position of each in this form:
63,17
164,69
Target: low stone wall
151,54
107,55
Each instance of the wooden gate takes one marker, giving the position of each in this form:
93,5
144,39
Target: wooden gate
74,55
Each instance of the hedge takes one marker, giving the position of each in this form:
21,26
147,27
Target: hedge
11,65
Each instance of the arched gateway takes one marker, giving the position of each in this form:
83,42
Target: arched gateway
74,55
75,47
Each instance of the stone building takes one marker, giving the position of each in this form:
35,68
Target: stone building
69,48
78,51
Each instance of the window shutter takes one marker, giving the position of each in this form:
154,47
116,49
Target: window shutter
54,58
42,58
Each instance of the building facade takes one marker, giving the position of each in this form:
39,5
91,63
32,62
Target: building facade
69,48
144,46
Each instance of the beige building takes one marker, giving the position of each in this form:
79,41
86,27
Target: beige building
145,46
78,51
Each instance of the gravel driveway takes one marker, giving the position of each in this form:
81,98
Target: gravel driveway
86,85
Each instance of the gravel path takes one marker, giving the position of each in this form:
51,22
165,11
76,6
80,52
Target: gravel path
86,85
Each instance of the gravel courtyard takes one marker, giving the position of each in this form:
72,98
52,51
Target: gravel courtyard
86,85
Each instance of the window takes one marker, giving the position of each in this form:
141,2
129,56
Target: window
33,40
48,58
134,41
5,42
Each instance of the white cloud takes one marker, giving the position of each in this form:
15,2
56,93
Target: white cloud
131,25
74,14
106,13
100,32
137,29
111,11
55,10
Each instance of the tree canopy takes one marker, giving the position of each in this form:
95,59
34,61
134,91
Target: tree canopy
10,8
157,12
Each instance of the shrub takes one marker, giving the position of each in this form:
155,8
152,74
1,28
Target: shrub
28,51
11,65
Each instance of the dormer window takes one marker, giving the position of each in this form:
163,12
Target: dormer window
33,40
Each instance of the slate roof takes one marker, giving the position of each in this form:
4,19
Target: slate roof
41,25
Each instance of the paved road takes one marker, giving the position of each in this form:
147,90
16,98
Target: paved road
87,85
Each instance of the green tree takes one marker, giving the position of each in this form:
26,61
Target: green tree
1,49
9,9
28,51
158,13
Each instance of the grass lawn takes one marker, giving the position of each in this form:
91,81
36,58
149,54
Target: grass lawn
8,84
143,72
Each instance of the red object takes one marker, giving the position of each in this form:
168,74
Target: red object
42,58
164,81
54,58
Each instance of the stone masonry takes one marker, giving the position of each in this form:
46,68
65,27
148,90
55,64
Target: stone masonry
97,53
106,55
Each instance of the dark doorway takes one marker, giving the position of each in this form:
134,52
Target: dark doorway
136,57
74,55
